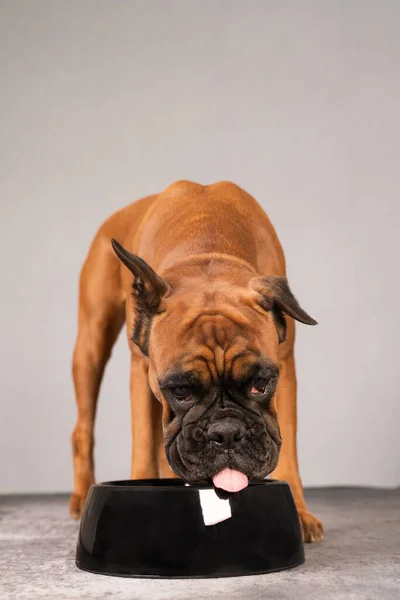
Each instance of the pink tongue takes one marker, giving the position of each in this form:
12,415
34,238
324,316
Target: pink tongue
230,480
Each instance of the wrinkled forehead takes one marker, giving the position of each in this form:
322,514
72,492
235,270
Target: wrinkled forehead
212,347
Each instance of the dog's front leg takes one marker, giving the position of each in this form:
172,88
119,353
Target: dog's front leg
145,420
287,468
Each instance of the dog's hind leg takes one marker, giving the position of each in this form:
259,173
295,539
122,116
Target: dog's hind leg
101,316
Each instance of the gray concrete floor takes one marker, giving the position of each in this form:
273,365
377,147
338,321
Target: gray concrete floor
358,559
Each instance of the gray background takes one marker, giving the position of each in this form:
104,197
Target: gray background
103,102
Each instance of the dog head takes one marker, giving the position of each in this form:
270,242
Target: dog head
212,341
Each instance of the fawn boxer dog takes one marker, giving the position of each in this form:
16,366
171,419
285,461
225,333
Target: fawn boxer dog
198,275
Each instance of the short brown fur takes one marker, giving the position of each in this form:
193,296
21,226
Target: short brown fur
209,243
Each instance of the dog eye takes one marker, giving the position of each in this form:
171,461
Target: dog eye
181,393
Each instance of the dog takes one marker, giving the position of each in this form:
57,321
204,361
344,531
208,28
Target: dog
198,275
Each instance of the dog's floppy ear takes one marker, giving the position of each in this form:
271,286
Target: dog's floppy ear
148,289
276,296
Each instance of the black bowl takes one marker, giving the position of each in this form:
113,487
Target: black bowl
155,528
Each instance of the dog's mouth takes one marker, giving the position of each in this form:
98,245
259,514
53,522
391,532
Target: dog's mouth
227,470
228,482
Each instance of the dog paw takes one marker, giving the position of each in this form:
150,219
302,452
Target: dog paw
76,504
312,528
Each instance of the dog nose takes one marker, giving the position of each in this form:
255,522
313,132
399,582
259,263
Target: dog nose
226,431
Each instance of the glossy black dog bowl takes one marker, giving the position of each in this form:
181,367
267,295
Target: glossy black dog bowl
155,528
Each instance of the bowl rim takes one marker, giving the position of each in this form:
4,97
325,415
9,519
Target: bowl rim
174,484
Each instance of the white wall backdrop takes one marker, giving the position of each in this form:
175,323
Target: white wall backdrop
103,102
